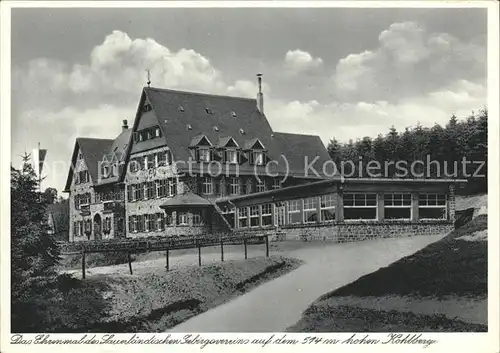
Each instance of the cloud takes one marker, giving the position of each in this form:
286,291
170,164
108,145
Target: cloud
345,120
408,61
298,61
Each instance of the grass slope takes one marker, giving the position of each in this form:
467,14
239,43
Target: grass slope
449,267
158,300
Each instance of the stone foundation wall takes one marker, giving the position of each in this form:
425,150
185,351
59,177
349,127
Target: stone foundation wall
347,232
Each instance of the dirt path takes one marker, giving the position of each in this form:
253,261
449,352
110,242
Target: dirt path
278,304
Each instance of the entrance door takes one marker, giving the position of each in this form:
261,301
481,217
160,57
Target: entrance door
97,227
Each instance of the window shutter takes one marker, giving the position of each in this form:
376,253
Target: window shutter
224,156
216,187
198,185
250,157
197,155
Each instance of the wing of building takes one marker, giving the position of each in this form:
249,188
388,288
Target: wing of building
194,163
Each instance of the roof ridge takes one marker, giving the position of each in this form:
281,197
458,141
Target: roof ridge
198,93
292,133
94,138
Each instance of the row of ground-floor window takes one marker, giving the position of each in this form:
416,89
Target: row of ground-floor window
157,222
349,206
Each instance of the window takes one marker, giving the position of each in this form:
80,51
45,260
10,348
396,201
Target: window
328,207
150,190
232,156
141,187
163,159
204,155
181,108
360,206
169,220
197,218
397,206
182,218
107,225
160,222
276,184
432,206
209,111
207,185
80,225
157,132
149,161
80,155
254,216
146,223
151,220
172,187
294,216
267,214
258,157
233,113
161,187
234,186
242,217
260,186
310,210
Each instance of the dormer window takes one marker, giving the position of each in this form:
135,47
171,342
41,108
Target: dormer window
231,156
189,127
147,134
256,152
209,111
181,108
258,157
204,155
146,107
233,114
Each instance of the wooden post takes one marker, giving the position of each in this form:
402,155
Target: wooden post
83,264
199,252
267,245
129,262
166,259
221,249
245,243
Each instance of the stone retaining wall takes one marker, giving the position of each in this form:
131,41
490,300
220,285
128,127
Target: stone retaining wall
347,232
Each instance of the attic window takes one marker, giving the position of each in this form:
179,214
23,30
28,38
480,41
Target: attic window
242,131
209,111
216,129
181,108
233,114
146,107
189,127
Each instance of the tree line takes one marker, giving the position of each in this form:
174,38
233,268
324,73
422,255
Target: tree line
457,150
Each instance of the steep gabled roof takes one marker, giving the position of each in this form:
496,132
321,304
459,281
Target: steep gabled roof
173,122
97,150
247,127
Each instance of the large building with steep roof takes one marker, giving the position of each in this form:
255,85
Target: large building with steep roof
173,171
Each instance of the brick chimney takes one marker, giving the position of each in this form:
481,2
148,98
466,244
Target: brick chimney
125,125
260,96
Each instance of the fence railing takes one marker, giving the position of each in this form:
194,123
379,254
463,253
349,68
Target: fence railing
141,245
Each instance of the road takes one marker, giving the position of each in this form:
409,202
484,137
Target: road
278,304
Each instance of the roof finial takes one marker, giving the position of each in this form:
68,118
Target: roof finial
149,77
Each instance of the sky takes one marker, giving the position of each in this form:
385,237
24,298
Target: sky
341,73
